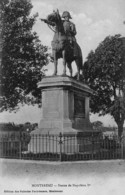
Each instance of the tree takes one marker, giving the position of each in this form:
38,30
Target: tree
105,73
23,55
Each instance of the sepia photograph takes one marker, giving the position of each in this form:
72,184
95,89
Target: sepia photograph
62,97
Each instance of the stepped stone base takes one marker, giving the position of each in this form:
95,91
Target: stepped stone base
65,109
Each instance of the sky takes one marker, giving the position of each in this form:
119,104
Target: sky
94,20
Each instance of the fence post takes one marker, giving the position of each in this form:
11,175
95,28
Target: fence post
60,143
20,140
92,146
123,147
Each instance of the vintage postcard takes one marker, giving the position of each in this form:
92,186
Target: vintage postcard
62,97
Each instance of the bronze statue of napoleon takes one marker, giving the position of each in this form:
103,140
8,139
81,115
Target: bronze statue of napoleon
64,43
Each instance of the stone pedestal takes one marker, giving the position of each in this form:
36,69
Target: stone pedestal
65,110
65,105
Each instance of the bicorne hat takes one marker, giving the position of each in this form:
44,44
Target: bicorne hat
66,14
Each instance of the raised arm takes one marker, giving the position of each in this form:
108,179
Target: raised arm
48,22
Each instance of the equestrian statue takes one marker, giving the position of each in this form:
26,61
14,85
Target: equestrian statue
64,44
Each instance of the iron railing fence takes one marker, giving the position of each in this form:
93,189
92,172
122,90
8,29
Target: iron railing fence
59,147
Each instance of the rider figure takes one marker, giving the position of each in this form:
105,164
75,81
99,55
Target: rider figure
70,29
64,44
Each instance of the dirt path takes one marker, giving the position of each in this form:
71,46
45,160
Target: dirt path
99,177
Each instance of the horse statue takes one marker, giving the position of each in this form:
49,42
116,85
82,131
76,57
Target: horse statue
62,47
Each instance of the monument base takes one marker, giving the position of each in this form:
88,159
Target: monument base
65,110
65,105
68,142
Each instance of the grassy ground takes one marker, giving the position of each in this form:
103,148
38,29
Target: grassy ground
97,177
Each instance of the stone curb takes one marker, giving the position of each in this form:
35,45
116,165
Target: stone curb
58,162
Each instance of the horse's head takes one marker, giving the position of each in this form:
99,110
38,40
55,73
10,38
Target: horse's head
54,17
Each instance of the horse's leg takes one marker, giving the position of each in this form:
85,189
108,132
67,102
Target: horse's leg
70,68
64,62
55,63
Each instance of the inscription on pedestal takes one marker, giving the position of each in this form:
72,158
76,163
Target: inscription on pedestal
79,106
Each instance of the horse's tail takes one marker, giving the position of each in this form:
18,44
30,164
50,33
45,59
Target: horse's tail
79,54
81,64
81,59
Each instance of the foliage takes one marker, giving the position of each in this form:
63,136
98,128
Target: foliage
9,127
23,56
105,73
97,125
